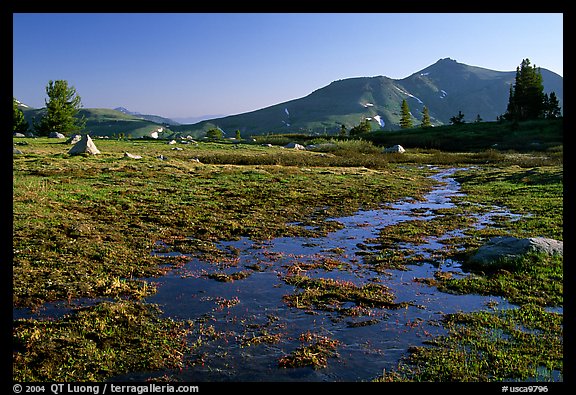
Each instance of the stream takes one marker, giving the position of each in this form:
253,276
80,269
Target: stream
251,308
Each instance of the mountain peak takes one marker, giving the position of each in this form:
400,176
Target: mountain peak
446,60
445,88
153,118
125,111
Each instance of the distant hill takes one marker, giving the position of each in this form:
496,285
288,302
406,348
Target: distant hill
112,123
446,87
148,117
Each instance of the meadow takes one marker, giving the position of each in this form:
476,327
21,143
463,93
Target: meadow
84,228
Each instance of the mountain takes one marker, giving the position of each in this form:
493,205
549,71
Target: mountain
22,106
153,118
106,122
446,87
191,120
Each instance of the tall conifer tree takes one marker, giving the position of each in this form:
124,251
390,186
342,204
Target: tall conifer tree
527,95
425,118
62,107
405,117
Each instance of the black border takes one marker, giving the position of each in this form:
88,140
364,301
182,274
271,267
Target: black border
168,6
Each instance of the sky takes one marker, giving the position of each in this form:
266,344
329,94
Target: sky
180,65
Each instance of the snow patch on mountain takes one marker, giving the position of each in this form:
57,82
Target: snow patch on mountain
408,94
19,103
380,121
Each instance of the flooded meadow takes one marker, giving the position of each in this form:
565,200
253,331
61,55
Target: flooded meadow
324,268
259,302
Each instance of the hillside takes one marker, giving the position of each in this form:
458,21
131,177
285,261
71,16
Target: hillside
445,87
105,122
148,117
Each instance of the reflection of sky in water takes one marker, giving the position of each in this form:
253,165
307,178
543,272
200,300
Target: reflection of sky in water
365,350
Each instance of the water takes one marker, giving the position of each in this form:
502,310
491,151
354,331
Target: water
245,309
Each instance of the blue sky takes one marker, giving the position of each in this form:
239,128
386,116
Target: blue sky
182,65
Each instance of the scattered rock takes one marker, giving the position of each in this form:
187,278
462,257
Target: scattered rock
394,149
506,247
56,135
84,146
16,151
131,156
74,139
295,146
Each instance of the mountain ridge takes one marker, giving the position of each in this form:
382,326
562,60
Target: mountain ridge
149,117
445,87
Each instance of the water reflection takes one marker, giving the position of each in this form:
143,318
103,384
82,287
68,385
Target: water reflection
370,342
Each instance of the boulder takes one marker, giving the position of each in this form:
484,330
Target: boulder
56,135
131,156
506,247
394,149
74,139
84,146
295,146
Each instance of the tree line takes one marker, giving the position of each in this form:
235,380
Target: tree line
527,101
61,115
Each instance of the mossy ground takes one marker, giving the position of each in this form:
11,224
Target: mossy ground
85,226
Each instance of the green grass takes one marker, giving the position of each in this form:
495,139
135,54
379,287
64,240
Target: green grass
522,344
85,226
96,342
537,135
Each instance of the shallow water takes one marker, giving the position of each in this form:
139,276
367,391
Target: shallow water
252,306
243,310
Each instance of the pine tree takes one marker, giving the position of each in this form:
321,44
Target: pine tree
215,134
457,119
405,117
343,131
363,127
551,106
425,118
62,109
20,125
527,95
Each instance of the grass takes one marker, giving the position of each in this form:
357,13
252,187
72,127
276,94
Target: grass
314,351
85,226
522,344
95,342
334,295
